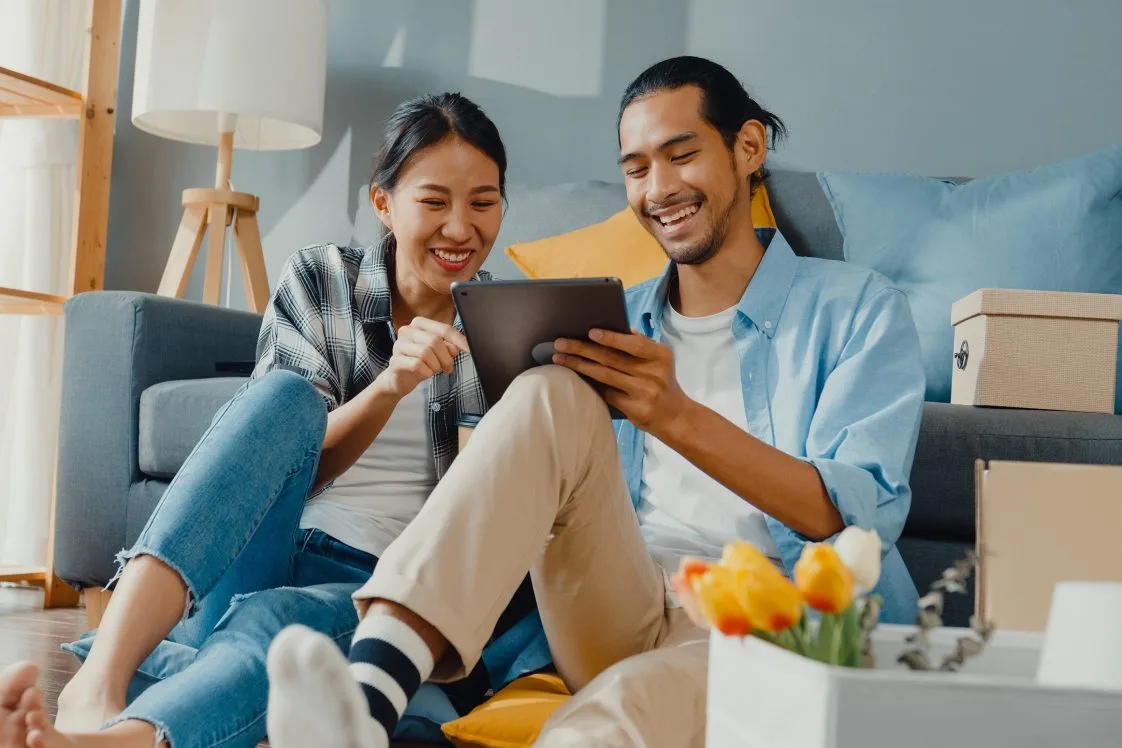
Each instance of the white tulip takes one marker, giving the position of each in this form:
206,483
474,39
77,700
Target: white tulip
859,550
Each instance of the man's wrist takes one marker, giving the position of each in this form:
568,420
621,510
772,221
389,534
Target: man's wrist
680,426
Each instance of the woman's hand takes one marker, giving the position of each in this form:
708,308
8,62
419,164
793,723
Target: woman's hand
422,349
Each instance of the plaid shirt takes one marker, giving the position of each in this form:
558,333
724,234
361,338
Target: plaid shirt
330,321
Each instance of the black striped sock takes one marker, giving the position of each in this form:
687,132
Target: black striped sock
390,661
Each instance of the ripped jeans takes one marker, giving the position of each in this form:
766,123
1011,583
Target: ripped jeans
229,524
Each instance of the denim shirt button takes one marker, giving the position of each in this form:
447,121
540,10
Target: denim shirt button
767,324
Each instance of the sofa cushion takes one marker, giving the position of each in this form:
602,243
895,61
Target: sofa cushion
804,215
1054,228
952,437
173,417
620,246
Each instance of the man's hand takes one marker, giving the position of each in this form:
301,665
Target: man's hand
637,371
423,348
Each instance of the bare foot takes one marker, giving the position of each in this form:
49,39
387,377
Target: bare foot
18,695
40,734
85,708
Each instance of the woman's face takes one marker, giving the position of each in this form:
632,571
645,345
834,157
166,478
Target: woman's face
445,213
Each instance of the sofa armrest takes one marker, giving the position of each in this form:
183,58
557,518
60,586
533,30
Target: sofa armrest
952,437
117,344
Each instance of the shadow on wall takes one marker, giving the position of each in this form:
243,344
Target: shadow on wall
380,53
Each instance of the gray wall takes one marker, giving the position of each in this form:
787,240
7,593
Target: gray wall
955,87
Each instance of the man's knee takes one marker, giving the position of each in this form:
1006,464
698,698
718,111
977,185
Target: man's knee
556,384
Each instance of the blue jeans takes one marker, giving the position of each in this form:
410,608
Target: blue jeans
229,525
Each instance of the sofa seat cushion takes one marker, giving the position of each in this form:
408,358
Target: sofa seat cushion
173,417
953,437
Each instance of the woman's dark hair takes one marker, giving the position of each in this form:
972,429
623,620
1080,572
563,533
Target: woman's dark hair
426,120
725,103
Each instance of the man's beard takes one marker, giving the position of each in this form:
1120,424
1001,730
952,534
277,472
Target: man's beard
704,249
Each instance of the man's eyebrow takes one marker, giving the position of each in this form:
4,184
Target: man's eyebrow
676,140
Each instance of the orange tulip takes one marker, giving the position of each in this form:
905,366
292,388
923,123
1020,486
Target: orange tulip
771,601
823,579
717,594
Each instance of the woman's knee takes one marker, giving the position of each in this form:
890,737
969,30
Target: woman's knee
293,398
258,617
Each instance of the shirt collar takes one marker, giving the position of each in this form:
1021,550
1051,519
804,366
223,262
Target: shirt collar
762,302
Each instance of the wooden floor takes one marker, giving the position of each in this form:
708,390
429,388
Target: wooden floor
27,632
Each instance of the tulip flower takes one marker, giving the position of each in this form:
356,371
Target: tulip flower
824,581
771,601
717,592
860,552
741,555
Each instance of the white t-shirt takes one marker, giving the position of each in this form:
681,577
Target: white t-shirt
370,504
683,511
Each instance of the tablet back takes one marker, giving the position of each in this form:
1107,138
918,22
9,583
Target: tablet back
506,320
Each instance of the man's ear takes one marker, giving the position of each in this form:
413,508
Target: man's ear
380,200
751,146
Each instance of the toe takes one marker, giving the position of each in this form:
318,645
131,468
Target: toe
14,680
38,720
32,700
284,654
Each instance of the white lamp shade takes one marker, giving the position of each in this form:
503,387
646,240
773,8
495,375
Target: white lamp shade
262,61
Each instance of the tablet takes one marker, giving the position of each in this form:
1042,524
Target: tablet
511,325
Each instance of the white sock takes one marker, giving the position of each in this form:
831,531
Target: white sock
390,661
313,700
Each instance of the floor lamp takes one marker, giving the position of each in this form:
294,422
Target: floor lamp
231,74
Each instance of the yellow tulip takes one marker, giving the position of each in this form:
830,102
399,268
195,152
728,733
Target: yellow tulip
741,555
771,601
717,594
824,581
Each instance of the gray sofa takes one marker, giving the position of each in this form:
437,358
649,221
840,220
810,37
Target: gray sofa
143,379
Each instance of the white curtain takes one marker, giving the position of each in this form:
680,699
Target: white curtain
46,39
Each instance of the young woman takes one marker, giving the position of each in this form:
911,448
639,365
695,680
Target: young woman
309,472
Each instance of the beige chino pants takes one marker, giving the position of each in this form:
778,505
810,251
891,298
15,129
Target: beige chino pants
539,487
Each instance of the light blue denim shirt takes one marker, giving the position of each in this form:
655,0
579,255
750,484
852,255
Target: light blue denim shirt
831,373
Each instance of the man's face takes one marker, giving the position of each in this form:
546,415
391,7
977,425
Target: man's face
682,181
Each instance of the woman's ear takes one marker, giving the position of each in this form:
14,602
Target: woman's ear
380,200
751,146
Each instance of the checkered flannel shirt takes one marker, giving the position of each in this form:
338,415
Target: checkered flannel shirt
329,321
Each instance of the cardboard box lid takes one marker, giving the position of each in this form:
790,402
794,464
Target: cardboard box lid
1023,303
1040,523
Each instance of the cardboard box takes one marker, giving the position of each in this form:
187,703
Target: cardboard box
1035,349
762,696
1038,524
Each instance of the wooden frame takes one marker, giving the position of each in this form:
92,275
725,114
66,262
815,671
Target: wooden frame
95,107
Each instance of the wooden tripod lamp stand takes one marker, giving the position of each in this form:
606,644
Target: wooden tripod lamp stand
232,74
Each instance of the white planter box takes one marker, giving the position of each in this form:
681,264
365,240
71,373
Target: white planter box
761,696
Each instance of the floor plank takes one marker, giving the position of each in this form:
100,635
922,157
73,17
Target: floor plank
27,632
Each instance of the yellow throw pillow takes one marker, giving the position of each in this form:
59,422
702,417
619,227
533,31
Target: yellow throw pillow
619,246
513,717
